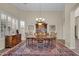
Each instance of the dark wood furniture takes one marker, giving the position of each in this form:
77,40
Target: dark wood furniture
11,41
31,41
41,29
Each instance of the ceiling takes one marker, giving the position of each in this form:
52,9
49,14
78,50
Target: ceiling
40,6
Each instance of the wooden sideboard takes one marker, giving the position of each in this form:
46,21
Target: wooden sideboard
11,41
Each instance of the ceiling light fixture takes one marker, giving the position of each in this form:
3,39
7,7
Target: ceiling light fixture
40,19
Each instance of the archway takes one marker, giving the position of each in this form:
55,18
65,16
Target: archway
74,26
77,28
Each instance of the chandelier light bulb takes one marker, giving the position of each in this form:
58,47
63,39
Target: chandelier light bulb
43,19
40,18
36,19
39,23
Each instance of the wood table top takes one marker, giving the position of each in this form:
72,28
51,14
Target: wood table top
34,37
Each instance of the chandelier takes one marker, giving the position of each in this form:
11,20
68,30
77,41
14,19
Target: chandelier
40,19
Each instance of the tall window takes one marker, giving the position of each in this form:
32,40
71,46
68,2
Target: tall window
9,25
9,19
13,23
16,23
22,29
3,16
22,24
3,24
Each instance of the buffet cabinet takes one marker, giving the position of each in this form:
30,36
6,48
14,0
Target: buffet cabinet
41,29
13,40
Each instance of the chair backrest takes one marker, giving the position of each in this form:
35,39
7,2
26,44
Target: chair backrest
53,34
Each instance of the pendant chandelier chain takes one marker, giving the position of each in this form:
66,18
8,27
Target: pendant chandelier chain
40,19
40,10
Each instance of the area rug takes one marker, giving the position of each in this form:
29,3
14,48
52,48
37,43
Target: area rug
23,50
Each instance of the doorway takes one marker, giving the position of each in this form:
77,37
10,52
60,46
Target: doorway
77,33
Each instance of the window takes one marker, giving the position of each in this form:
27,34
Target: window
22,28
22,24
9,24
9,19
13,23
16,23
3,24
3,16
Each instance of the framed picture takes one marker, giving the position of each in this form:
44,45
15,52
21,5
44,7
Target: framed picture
52,28
30,27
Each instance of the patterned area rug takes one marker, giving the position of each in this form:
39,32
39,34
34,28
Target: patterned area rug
23,50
